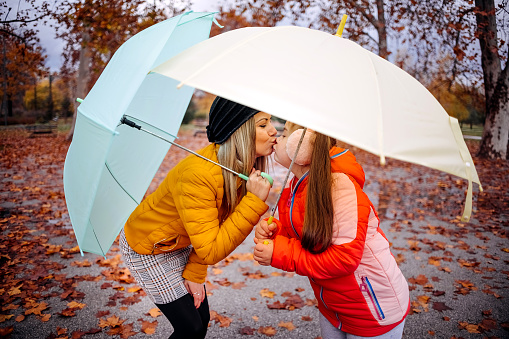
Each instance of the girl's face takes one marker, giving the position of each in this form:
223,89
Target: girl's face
265,134
280,154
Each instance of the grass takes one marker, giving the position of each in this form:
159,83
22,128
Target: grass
476,130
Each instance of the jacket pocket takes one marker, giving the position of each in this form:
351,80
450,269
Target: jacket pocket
368,291
166,244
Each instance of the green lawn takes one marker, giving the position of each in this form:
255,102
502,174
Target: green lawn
476,130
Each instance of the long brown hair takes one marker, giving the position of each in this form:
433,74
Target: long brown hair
319,216
239,154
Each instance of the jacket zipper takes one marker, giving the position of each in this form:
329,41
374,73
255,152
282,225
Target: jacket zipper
366,287
321,297
293,199
327,307
294,191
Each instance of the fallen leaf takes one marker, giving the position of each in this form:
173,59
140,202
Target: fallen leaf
37,310
45,317
288,325
269,331
5,331
267,293
74,304
488,324
223,321
247,330
238,285
154,312
4,317
440,306
471,328
111,321
134,289
148,327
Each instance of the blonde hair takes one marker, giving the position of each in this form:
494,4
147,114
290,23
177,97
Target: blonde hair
317,229
239,154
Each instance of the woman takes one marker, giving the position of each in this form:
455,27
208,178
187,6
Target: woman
329,231
199,215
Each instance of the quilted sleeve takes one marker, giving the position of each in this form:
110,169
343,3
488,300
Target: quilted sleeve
335,261
195,199
352,211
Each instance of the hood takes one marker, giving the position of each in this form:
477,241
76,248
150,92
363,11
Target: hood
343,161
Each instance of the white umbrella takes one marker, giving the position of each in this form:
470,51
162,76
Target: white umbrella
333,86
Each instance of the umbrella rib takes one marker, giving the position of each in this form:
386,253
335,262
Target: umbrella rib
98,243
220,56
380,118
109,170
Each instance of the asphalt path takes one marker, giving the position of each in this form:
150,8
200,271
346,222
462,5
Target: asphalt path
457,273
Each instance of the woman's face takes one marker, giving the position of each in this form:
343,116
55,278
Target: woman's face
280,154
265,134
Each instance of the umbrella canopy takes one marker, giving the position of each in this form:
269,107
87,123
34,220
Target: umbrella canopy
333,86
109,166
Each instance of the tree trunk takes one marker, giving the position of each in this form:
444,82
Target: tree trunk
495,139
35,94
382,30
50,98
83,76
4,82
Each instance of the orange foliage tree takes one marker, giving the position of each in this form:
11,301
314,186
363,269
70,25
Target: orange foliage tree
22,58
94,29
22,61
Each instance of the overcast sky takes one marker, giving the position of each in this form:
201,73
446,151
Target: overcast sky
53,47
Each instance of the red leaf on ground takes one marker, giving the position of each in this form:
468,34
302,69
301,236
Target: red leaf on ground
247,330
440,306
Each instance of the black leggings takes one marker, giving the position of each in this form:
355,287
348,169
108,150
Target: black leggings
187,321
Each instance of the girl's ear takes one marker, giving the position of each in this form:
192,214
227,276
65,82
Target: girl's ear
306,148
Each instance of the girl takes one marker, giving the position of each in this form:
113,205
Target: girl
329,231
199,215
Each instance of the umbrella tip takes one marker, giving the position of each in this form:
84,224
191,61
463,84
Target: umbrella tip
339,32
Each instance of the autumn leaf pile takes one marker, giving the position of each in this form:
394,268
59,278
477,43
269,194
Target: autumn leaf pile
457,272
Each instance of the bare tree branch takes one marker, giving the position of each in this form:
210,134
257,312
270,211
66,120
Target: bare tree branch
12,34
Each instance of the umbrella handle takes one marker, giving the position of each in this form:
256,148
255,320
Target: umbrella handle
265,175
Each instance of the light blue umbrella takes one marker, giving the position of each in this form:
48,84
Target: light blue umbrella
109,166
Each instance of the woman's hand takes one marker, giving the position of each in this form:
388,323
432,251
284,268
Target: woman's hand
197,291
258,185
264,231
263,252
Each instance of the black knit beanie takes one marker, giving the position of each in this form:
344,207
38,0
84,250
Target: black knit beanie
225,117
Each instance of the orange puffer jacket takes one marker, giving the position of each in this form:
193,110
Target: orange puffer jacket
185,209
357,282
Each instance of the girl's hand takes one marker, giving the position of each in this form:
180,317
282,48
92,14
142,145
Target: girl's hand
263,252
258,185
197,291
264,231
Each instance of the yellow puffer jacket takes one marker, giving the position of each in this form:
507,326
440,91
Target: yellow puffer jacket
185,209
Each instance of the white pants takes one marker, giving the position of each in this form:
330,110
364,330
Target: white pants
331,332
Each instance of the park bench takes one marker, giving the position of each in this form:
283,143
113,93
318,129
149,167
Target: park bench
42,129
201,125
